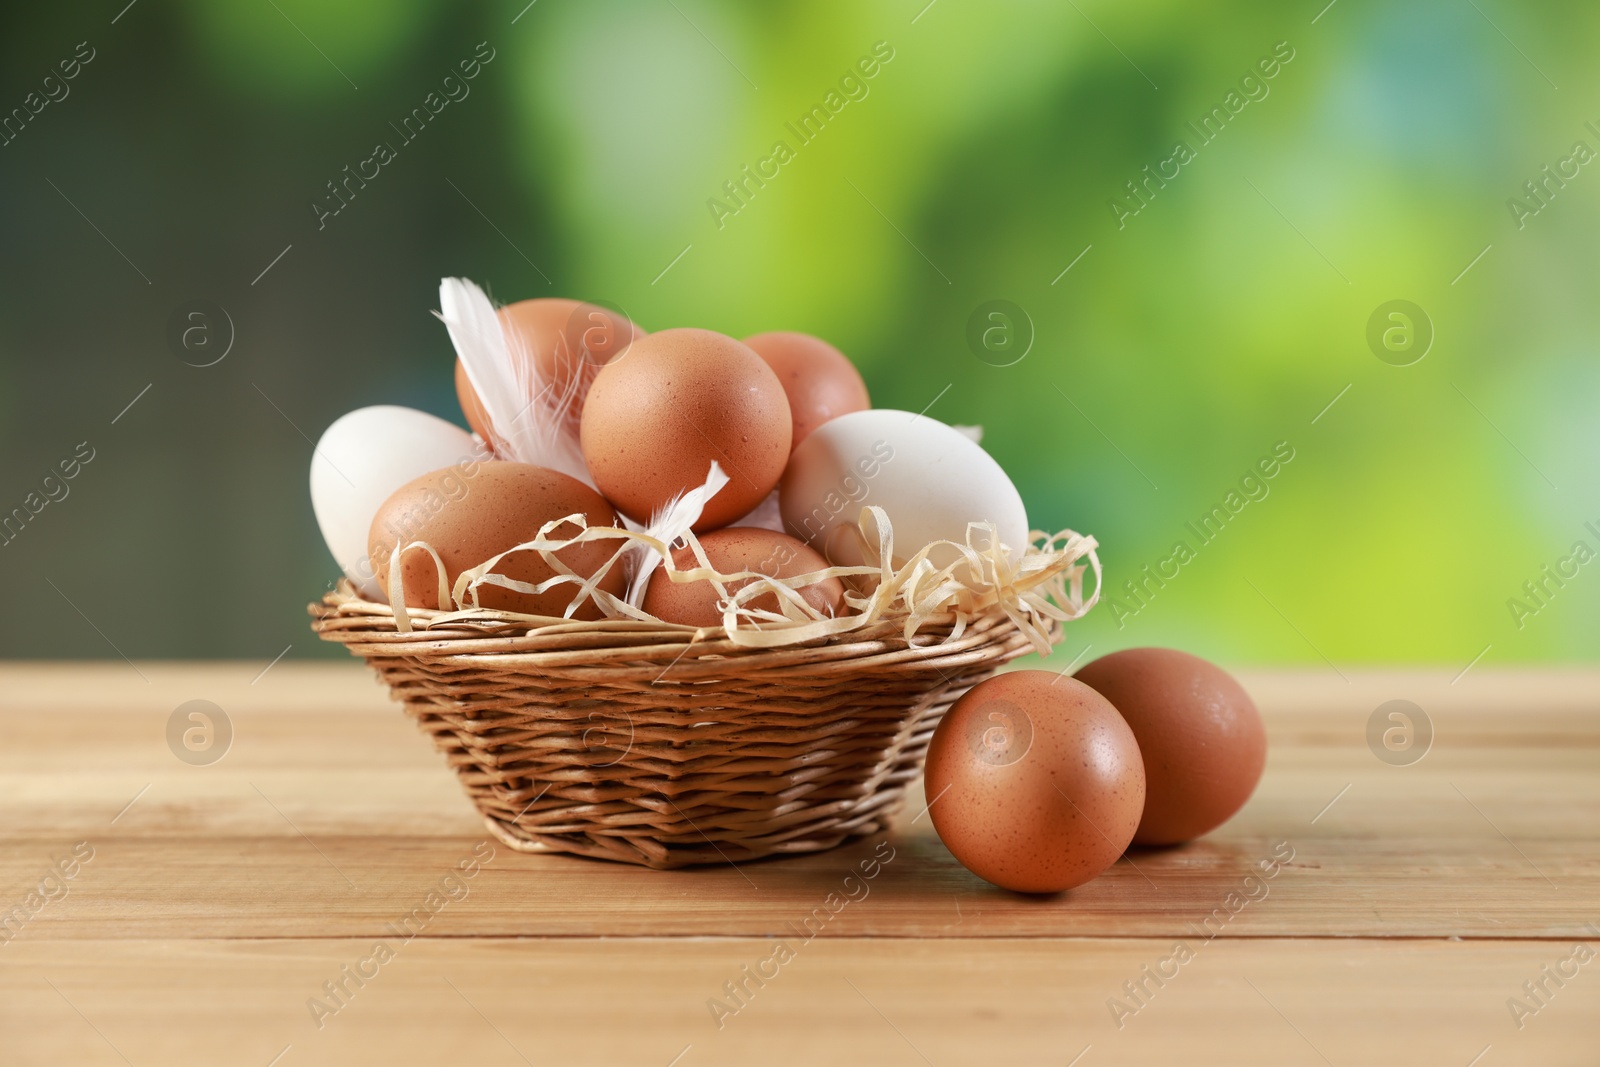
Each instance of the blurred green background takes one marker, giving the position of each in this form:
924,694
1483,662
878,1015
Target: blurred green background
978,164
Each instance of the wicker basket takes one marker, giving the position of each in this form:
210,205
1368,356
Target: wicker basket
658,745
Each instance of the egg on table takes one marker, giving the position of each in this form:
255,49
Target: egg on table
731,550
469,519
931,480
364,457
1203,741
681,399
819,380
1034,782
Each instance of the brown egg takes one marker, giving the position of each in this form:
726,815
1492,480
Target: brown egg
1034,782
739,548
682,398
1203,742
470,517
569,340
819,380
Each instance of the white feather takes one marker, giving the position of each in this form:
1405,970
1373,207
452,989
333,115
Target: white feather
671,521
528,417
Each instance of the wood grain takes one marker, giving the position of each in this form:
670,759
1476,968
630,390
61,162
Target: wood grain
1490,835
950,1002
1417,899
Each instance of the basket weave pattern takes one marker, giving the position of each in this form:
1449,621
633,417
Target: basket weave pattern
658,745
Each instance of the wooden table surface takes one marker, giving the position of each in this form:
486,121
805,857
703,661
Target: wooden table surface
208,906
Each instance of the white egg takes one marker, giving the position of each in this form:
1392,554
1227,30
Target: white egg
929,478
361,460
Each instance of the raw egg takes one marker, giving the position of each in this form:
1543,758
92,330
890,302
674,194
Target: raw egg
1034,782
730,550
471,516
655,421
1202,739
568,342
362,458
929,478
819,380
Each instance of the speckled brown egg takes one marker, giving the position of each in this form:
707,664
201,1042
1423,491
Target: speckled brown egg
568,340
819,380
1203,742
656,420
470,515
1034,782
732,549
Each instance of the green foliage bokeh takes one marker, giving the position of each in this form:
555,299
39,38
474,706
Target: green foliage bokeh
990,152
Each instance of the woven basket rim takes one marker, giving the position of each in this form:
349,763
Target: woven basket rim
482,636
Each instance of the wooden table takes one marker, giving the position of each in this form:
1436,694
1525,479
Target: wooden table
1410,905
